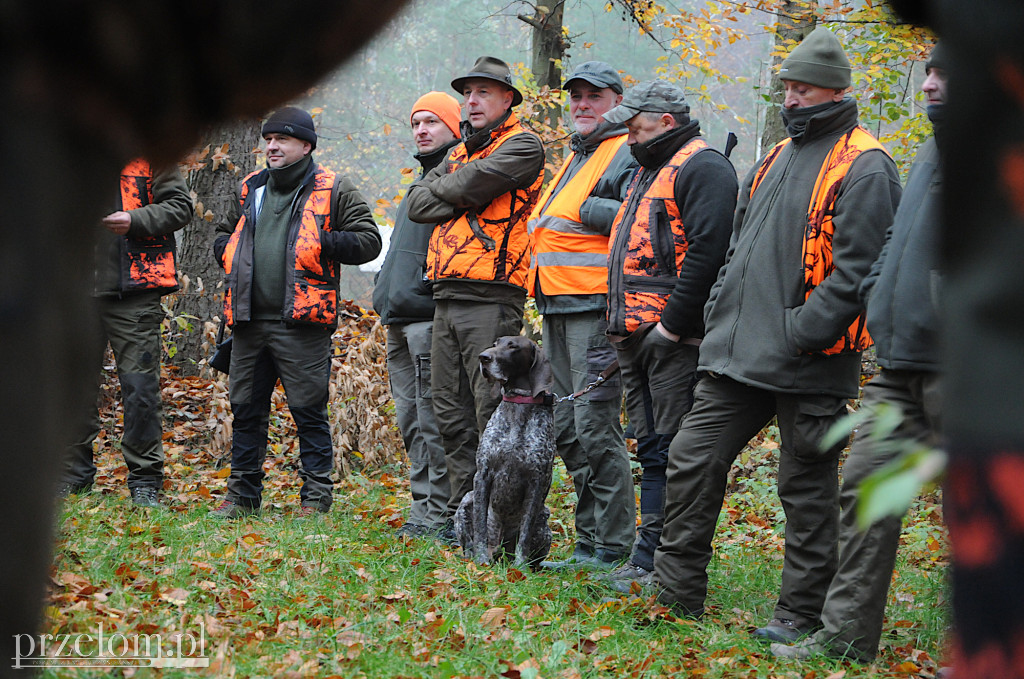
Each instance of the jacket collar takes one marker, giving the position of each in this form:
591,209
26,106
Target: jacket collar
653,154
584,146
479,139
430,160
836,119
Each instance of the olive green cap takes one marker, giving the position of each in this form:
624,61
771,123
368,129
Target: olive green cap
819,60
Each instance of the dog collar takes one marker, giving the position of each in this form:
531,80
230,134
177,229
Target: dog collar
544,399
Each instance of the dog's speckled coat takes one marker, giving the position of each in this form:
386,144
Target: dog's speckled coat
504,514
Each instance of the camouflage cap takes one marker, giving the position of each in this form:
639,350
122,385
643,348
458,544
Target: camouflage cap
653,96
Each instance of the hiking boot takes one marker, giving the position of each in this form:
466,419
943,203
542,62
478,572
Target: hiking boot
582,557
147,497
311,508
446,534
409,531
622,578
232,510
781,630
801,650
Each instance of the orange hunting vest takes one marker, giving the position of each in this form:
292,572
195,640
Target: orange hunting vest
311,287
491,244
817,248
146,263
655,247
568,257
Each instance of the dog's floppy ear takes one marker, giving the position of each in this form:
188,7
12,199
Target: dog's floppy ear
541,379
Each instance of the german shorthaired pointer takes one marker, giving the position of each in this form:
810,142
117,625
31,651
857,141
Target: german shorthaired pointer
504,514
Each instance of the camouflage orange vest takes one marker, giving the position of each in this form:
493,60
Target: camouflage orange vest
654,247
817,244
569,258
311,288
491,244
147,263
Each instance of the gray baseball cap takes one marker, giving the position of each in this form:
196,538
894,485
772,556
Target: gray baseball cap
653,96
598,74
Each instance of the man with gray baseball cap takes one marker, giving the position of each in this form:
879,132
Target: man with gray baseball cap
667,244
569,231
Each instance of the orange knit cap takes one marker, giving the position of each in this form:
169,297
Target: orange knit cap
444,106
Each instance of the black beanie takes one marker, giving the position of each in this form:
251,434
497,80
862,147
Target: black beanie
291,121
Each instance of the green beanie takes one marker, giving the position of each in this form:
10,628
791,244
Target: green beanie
937,58
819,60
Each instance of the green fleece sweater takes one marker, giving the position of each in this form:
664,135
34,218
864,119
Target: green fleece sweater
761,330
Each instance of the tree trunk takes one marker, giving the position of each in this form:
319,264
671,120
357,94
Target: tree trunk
215,185
548,52
795,20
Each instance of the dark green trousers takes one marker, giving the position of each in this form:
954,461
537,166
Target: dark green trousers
725,416
589,431
463,399
855,606
132,327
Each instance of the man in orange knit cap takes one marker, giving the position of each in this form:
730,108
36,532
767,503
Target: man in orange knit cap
405,303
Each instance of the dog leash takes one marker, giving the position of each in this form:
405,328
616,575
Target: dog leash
605,374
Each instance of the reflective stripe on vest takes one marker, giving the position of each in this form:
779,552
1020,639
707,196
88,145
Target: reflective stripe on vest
655,246
817,244
569,258
491,244
311,289
147,263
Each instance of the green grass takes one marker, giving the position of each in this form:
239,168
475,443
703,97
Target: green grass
339,595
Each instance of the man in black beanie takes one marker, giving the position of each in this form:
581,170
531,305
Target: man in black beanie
296,222
902,316
785,332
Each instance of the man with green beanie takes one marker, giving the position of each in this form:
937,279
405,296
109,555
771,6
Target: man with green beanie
902,315
785,332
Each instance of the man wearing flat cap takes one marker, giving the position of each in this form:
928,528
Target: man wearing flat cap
569,231
404,301
294,223
902,315
667,243
476,202
785,332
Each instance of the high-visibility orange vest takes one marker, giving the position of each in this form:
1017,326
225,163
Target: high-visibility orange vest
502,254
311,287
147,263
817,247
650,254
569,258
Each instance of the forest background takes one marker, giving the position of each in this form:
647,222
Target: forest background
724,54
340,595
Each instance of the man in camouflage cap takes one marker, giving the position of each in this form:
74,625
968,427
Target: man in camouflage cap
667,244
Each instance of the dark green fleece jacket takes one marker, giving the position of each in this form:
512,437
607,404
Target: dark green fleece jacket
761,330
